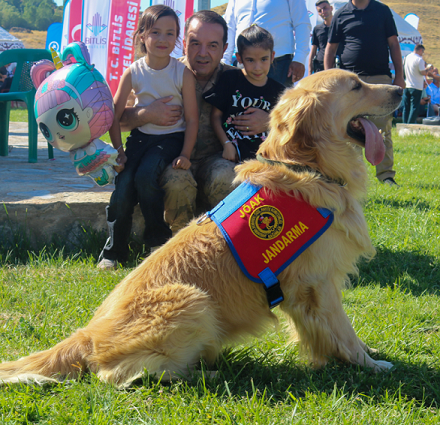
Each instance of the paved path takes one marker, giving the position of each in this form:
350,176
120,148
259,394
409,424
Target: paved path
418,128
45,181
48,197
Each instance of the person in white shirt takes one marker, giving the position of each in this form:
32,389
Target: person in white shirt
288,22
415,71
433,90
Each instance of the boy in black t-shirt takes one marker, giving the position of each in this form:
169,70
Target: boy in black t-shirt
239,89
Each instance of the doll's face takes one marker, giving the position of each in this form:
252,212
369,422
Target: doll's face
66,127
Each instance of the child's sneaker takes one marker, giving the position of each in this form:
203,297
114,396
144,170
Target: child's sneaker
106,264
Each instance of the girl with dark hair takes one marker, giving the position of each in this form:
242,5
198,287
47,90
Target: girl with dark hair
150,148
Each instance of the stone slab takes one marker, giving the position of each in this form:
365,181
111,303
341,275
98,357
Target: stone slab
48,198
418,128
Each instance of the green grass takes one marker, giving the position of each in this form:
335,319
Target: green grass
393,304
18,115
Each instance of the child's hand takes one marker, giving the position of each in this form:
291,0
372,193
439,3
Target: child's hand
181,162
229,152
121,160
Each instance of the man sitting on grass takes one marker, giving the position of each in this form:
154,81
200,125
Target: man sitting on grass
433,90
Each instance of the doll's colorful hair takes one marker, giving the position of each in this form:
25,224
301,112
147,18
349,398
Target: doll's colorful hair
78,80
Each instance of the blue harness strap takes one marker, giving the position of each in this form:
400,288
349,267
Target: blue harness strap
272,286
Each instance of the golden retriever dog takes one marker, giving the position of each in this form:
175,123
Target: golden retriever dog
190,298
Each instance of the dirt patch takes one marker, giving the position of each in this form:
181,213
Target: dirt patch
429,13
33,40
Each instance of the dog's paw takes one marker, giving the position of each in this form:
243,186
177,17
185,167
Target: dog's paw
382,366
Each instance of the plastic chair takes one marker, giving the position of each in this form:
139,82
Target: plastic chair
22,89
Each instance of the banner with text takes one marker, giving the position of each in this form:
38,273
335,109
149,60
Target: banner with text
94,31
124,18
107,30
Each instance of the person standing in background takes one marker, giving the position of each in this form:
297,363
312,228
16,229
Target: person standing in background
415,71
368,35
288,22
320,36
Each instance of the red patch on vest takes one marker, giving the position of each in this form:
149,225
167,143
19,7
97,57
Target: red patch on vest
271,230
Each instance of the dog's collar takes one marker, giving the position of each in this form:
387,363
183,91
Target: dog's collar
300,169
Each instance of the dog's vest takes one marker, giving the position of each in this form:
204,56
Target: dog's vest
267,231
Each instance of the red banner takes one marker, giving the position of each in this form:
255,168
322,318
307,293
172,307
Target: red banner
124,16
75,20
271,230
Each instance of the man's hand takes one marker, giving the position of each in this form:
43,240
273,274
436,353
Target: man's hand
296,71
253,121
158,113
121,160
399,81
181,162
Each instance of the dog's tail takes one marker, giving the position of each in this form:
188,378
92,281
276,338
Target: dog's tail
66,360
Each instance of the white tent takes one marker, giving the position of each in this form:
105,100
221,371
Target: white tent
8,41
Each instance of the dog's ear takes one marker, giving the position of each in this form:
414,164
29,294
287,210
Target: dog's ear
295,124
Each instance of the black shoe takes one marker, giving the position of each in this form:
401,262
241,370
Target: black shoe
390,182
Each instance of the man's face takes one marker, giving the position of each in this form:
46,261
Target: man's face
420,52
204,48
2,77
324,10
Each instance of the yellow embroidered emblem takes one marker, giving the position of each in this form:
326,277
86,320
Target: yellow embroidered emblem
266,222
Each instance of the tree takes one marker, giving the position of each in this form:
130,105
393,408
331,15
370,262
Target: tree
32,14
29,13
10,16
44,16
15,3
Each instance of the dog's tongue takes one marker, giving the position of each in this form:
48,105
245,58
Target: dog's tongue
374,146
